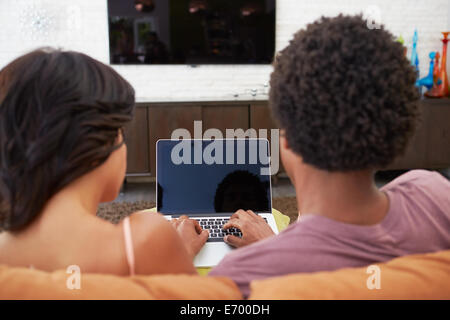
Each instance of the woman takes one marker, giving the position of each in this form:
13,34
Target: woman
61,154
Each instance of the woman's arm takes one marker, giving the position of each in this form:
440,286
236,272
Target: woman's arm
191,233
157,247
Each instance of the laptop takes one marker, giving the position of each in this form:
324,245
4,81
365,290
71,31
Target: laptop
209,180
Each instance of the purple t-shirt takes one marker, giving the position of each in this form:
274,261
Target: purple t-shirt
418,221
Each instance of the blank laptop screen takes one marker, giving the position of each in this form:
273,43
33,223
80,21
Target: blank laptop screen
218,176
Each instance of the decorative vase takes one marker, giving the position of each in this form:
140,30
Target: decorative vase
443,86
402,41
428,81
414,55
434,91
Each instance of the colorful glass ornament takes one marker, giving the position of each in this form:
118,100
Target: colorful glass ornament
428,81
434,91
443,87
414,56
402,41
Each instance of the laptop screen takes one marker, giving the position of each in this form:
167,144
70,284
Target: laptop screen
218,176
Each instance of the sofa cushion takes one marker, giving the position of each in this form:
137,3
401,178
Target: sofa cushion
425,276
23,283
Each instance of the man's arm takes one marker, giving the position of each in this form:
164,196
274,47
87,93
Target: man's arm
252,226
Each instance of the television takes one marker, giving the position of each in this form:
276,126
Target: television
192,32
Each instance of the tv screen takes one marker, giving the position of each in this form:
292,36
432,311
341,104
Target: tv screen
191,31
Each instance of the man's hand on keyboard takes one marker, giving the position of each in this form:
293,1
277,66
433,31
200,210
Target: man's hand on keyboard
192,235
252,226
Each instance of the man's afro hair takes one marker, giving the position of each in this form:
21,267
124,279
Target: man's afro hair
345,95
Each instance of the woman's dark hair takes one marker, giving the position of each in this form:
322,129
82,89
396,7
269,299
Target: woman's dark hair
60,114
345,95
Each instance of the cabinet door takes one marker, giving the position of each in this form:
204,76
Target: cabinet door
416,151
136,138
430,146
225,117
261,118
438,146
164,119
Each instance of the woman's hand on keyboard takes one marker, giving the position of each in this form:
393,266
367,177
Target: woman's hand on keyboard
252,226
192,235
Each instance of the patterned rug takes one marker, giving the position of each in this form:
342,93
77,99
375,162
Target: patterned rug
116,211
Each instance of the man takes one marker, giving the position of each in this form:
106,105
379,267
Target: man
345,99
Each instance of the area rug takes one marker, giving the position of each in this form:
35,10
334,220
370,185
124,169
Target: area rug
116,211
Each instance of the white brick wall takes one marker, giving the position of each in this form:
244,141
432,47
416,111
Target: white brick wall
82,25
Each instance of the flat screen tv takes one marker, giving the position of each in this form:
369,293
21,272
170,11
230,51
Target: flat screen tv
191,32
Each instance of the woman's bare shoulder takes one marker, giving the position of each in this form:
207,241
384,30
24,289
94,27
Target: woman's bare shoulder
151,228
157,246
144,224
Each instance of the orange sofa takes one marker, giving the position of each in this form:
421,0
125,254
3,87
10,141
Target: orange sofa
425,276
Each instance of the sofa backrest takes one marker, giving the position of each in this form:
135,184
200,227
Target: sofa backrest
425,276
23,283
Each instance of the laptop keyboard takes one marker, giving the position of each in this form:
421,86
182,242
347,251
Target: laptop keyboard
215,228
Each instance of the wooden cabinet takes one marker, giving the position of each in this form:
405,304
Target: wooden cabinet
137,140
415,155
438,144
224,117
261,118
164,119
429,147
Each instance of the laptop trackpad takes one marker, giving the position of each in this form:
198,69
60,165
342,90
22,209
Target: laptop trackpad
211,254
